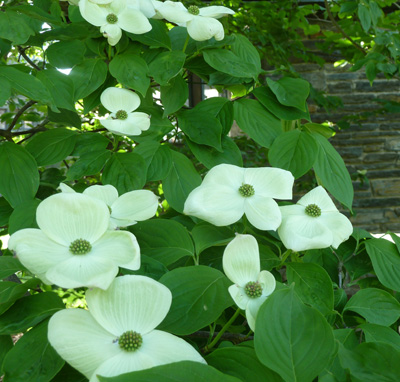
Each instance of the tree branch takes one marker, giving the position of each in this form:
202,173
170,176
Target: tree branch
345,35
19,113
27,59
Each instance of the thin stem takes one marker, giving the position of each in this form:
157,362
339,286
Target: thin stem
285,256
19,113
27,59
222,331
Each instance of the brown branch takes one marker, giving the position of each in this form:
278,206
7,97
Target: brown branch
27,59
19,113
328,10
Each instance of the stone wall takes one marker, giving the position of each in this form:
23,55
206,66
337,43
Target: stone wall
372,145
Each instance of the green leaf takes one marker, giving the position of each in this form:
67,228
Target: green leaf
15,27
90,163
226,61
199,296
256,121
27,85
370,71
32,359
88,76
206,235
5,90
294,151
268,99
163,240
23,216
19,178
372,362
331,170
364,16
181,180
52,146
87,141
60,86
174,95
125,171
312,284
6,344
148,267
246,51
66,54
375,305
291,338
241,362
29,311
210,157
65,117
167,65
379,333
156,38
174,372
131,71
37,13
201,128
5,212
9,265
385,259
291,91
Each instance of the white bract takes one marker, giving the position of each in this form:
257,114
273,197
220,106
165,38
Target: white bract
313,223
201,23
73,247
113,17
117,335
125,210
228,192
241,263
122,120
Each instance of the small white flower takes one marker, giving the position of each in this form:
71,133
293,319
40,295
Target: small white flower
228,192
122,120
201,23
117,334
125,210
73,247
144,6
313,223
113,17
241,263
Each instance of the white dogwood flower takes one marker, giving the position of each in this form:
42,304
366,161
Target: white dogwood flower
201,23
313,223
73,247
113,17
117,334
125,210
122,120
228,192
241,263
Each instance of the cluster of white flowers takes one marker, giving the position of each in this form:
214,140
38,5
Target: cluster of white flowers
114,16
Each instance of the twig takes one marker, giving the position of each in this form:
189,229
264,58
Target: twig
19,113
27,59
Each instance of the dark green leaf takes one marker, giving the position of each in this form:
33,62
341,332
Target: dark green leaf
364,16
66,54
163,240
181,180
19,178
148,267
294,151
65,117
32,359
257,122
199,296
52,146
15,27
6,344
291,338
9,265
131,71
166,65
89,142
90,163
156,38
125,171
24,216
5,212
5,90
174,95
206,235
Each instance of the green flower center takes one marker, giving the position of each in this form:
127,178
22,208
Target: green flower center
121,114
313,210
253,289
130,341
80,247
246,190
194,10
111,18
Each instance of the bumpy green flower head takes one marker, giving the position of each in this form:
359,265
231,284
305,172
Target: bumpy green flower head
112,18
246,190
194,10
130,341
121,114
313,210
253,289
80,247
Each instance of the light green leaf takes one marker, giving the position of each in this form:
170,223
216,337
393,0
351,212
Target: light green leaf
379,333
199,296
19,178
